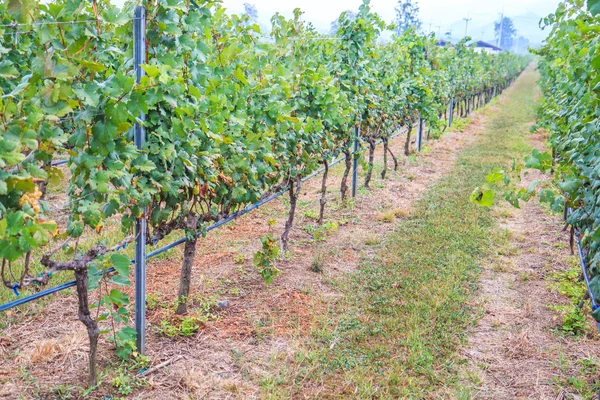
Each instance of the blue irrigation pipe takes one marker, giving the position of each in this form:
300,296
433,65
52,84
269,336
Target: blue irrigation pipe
156,252
586,276
584,268
57,163
64,286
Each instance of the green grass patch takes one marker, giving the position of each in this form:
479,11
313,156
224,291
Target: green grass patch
396,330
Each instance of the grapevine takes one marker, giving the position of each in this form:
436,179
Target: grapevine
570,69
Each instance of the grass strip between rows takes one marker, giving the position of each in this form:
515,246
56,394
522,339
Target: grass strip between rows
396,329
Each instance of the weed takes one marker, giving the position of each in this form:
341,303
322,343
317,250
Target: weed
390,216
240,259
372,240
186,327
461,124
168,329
568,283
123,384
325,230
153,302
318,262
189,327
65,392
265,258
311,214
574,320
387,217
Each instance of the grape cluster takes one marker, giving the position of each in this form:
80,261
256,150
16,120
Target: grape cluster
32,199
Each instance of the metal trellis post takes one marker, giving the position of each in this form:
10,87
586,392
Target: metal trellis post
355,162
451,112
139,56
420,135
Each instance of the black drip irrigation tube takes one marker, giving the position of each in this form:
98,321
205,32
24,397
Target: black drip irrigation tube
218,224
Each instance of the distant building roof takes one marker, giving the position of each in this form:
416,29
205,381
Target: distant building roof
481,43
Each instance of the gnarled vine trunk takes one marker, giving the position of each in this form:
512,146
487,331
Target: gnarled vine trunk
393,158
407,143
294,192
81,279
323,201
386,148
189,254
185,280
344,185
371,161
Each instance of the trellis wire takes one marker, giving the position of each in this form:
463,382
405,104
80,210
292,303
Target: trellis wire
178,242
59,288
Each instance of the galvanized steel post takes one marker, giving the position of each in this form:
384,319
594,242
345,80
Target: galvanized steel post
420,135
139,57
451,112
355,162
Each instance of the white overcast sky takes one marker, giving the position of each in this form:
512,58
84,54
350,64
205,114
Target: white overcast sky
438,15
448,14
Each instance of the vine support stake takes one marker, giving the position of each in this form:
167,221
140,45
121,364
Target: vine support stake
355,162
420,135
139,132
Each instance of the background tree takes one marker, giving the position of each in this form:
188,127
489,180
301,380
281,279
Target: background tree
407,16
251,11
505,32
522,45
336,24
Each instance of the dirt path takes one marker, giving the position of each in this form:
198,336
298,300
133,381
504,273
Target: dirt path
518,350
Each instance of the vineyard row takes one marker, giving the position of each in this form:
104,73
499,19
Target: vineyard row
184,116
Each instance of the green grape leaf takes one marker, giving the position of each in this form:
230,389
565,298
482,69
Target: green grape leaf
121,264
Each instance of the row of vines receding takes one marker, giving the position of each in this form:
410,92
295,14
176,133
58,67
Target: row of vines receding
570,80
232,115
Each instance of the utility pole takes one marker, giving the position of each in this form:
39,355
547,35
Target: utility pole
467,25
449,33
